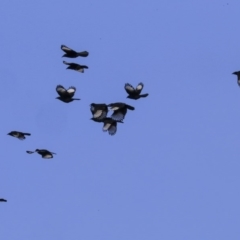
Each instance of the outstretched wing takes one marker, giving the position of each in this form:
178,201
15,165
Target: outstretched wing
139,88
71,91
129,88
61,91
67,49
119,115
110,126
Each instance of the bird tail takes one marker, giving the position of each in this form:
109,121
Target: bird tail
28,134
130,107
76,99
144,95
83,54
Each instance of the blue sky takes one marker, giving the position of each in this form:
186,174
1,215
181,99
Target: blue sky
172,170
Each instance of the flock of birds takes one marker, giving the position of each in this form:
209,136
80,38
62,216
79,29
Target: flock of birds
99,110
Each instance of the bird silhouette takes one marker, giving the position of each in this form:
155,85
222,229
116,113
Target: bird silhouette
19,135
238,77
73,54
66,95
43,152
135,93
119,110
99,111
3,200
75,66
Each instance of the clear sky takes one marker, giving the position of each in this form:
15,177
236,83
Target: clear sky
171,171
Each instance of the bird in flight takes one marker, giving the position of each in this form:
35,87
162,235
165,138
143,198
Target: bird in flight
75,66
3,200
43,152
119,110
73,54
66,95
238,76
135,93
19,135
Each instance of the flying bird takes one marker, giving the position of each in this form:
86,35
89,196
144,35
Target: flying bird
73,54
135,93
99,111
75,66
43,152
19,135
238,77
109,125
119,110
3,200
66,95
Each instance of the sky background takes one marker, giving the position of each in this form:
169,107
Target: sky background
171,171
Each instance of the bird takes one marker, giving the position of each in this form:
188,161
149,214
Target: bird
135,93
99,111
19,135
73,54
3,200
75,66
119,110
66,95
238,75
109,125
43,152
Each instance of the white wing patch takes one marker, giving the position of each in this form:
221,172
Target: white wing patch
71,90
139,86
97,114
114,108
66,48
106,126
60,88
129,87
48,156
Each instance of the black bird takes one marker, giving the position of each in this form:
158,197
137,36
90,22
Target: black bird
73,54
119,110
3,200
238,75
43,152
75,66
134,93
66,95
99,111
19,135
109,125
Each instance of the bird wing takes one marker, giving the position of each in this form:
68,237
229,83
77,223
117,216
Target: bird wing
129,88
61,91
66,49
66,63
139,88
119,115
113,129
106,126
98,114
30,152
71,91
